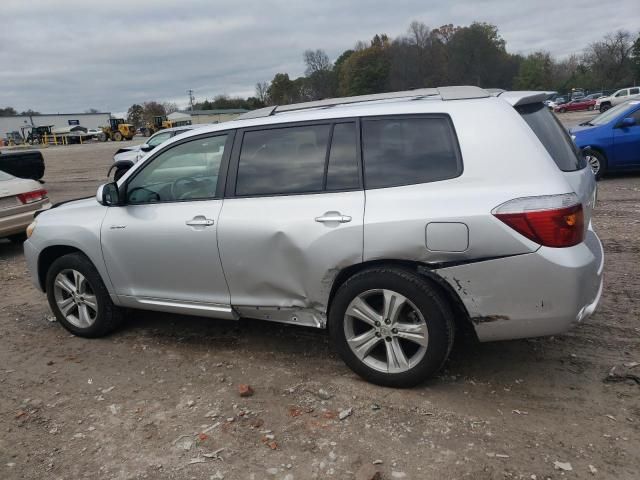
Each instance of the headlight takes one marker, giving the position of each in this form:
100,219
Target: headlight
31,228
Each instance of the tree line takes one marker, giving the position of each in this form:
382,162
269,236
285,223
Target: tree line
474,54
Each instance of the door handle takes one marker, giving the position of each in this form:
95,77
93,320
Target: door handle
333,217
199,221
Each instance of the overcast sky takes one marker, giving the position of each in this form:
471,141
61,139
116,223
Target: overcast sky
68,56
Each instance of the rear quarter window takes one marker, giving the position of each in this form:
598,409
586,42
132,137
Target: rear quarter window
553,136
404,151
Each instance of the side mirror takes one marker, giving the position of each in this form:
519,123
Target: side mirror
628,122
145,147
108,194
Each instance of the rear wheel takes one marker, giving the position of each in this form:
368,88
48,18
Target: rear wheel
598,163
117,137
102,137
591,107
391,327
604,107
78,298
562,110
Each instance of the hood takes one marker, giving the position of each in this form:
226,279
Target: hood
581,128
77,203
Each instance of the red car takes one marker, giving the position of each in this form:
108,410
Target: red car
575,105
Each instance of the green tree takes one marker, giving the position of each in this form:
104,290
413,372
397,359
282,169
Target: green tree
283,90
535,73
8,112
366,70
135,115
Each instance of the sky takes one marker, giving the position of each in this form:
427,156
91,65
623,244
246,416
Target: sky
68,56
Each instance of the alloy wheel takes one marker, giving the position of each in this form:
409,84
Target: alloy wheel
594,163
75,298
386,331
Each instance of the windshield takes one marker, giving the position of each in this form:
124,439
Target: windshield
610,114
158,139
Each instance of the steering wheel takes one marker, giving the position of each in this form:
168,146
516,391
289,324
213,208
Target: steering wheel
151,192
176,192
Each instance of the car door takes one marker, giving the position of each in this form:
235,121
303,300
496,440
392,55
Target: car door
291,219
626,142
160,246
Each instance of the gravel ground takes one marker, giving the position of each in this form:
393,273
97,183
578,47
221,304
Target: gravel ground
159,398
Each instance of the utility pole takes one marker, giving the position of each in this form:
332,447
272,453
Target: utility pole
191,99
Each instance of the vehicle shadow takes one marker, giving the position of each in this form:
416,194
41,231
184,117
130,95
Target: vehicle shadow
469,358
10,250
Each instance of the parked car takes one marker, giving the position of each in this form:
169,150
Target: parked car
576,105
620,96
594,96
612,139
555,102
264,217
23,163
19,199
125,157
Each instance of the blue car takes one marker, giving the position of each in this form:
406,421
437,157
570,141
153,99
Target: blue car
613,138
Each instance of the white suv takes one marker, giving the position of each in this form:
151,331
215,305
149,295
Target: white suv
622,95
392,220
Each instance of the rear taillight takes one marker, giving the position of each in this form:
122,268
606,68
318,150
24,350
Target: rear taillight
550,220
34,196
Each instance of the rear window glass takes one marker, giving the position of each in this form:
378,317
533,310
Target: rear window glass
404,151
553,136
283,160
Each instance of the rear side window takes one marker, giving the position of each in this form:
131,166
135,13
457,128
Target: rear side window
553,136
283,160
404,151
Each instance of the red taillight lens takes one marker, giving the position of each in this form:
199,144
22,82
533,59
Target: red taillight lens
538,220
34,196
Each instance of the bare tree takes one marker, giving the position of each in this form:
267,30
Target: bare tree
610,59
316,61
170,107
262,92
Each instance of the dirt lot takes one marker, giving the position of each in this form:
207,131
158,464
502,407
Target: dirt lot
159,399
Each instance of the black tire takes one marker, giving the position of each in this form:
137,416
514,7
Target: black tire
18,238
602,160
562,110
108,316
117,137
427,299
604,107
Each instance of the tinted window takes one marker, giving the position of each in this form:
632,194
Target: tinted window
407,151
634,91
283,160
342,172
553,136
188,171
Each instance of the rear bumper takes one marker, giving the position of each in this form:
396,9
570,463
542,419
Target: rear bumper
531,295
17,223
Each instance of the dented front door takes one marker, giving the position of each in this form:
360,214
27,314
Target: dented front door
283,252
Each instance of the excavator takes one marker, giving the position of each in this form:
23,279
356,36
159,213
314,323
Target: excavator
117,131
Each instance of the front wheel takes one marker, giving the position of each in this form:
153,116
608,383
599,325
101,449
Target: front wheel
391,327
604,107
79,299
117,137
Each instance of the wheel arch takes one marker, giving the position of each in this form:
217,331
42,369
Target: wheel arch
50,255
461,316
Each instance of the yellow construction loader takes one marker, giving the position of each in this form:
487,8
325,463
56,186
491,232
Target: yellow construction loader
117,131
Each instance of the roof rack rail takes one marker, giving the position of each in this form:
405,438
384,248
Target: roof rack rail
446,93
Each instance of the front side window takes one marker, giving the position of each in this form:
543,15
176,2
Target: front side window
158,139
188,171
282,160
623,93
405,151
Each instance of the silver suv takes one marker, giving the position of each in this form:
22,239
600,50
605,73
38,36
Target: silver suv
393,220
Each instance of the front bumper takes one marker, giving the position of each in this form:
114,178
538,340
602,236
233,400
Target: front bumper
31,257
531,295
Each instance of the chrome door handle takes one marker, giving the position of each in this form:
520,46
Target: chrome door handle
333,217
199,221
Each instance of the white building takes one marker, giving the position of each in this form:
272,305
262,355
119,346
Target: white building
58,120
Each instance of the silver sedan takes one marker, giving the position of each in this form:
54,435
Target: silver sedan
19,200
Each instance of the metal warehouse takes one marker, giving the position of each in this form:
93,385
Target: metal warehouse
58,120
